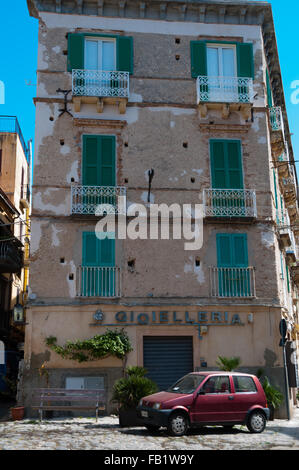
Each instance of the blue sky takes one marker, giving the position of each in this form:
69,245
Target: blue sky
18,61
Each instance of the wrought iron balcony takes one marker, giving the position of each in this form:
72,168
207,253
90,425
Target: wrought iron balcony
224,89
229,203
98,281
276,120
98,200
232,282
10,258
278,140
100,83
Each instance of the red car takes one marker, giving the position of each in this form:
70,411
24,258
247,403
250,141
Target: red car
202,398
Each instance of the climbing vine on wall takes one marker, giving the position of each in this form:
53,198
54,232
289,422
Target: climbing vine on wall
112,343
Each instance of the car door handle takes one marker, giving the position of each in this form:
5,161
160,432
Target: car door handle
231,397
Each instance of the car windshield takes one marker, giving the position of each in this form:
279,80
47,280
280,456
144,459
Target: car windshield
187,384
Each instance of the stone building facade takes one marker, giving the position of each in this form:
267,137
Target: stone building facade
193,91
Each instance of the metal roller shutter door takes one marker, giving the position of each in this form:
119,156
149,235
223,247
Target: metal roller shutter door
167,358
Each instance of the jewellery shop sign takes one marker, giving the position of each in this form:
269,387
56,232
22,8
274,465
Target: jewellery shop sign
169,317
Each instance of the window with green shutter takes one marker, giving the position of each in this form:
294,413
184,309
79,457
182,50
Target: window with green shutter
98,278
97,251
244,58
99,169
232,250
224,71
77,51
98,160
226,164
227,177
232,261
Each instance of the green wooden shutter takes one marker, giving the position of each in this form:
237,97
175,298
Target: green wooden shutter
234,164
226,164
269,90
232,256
224,250
218,165
97,251
107,252
75,59
91,161
98,161
107,160
245,60
125,54
90,255
288,277
198,58
232,250
239,250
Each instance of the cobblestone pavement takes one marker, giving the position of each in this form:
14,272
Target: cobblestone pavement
86,434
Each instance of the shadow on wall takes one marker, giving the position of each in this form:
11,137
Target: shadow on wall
270,358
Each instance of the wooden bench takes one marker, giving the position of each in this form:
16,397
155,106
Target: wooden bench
61,399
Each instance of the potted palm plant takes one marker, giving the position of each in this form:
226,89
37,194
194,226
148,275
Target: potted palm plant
127,393
274,397
228,364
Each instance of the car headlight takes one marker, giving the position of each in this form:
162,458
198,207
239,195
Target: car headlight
157,406
140,402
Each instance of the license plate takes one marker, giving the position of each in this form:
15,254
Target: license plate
144,414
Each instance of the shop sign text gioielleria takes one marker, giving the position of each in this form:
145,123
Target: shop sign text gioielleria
200,319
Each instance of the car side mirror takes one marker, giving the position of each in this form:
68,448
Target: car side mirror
201,392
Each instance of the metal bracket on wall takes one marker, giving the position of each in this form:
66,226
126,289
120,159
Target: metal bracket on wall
65,110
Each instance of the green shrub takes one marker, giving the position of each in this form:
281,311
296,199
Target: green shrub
112,343
128,390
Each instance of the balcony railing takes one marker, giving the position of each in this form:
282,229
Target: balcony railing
232,282
224,89
100,83
10,258
98,281
229,203
98,200
276,120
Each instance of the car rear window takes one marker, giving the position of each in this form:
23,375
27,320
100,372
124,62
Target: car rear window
244,384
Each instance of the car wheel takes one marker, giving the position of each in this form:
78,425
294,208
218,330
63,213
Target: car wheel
256,422
152,428
178,424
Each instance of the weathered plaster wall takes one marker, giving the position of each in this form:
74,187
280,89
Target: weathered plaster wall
162,130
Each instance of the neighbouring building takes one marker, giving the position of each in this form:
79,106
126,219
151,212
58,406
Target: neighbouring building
14,245
193,91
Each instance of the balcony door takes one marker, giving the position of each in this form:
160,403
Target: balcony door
98,276
227,178
98,171
221,69
232,262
